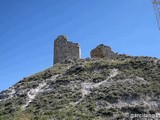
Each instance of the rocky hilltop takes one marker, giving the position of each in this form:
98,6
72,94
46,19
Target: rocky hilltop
86,89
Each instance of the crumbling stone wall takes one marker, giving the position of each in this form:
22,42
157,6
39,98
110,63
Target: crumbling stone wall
102,51
158,62
65,50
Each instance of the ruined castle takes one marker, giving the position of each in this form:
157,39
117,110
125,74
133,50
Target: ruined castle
66,50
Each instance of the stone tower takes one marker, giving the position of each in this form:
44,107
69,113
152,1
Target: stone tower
65,50
102,51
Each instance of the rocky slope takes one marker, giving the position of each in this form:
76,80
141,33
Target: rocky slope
90,89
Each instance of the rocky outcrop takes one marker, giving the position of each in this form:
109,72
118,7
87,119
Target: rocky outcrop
102,51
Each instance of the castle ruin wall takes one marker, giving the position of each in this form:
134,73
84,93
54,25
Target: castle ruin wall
65,50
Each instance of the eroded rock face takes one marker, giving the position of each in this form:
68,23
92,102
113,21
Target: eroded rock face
65,50
102,51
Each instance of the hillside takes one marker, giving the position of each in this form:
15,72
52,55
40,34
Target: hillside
89,89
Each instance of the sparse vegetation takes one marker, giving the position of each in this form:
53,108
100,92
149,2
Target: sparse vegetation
138,79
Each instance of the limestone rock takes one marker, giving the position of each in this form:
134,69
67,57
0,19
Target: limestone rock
102,51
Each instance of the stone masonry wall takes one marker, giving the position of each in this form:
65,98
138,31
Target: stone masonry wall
102,51
65,50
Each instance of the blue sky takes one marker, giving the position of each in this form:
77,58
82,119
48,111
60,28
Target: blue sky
29,27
